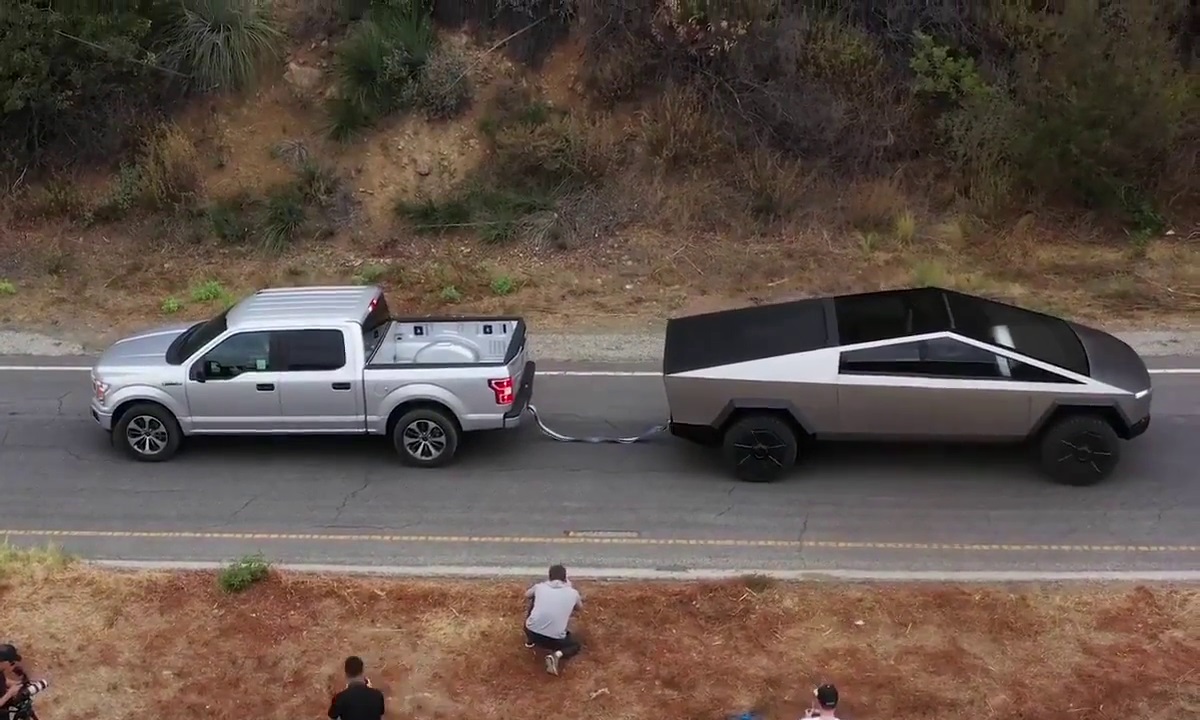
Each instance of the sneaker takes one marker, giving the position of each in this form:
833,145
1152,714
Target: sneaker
552,664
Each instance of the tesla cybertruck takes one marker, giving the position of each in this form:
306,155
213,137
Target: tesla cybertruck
903,365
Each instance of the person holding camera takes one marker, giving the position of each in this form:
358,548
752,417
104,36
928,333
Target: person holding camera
359,700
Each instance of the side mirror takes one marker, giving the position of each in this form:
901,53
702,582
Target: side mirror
197,373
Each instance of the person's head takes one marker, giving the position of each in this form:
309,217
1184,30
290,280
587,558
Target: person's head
9,657
558,572
826,697
354,667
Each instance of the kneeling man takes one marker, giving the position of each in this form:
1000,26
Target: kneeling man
551,604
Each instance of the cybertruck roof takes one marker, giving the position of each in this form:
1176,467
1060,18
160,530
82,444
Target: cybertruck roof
711,341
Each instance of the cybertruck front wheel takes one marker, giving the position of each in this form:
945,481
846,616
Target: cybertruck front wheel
1079,450
760,448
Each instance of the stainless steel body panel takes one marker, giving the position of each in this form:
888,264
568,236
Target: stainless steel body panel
831,402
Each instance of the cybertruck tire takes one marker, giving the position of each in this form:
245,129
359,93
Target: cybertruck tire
148,432
425,438
1079,450
760,448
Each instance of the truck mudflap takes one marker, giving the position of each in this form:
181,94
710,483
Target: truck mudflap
523,396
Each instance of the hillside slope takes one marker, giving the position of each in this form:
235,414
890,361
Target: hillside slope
600,163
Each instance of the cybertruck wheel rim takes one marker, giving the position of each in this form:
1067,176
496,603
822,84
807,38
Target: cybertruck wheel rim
1085,452
424,440
760,452
147,435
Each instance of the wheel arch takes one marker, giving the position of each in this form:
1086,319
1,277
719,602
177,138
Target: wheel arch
125,406
421,404
782,409
1057,411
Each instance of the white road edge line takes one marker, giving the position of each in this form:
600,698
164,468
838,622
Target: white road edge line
540,373
481,571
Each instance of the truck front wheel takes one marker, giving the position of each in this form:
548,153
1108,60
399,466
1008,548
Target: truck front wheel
760,448
425,437
148,432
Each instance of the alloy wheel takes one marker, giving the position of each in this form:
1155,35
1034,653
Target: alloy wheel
147,435
424,440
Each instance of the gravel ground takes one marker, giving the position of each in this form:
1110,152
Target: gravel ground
586,347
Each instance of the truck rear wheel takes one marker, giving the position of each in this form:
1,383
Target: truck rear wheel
425,437
1079,450
760,448
148,432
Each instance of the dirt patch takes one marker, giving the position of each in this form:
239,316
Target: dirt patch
123,645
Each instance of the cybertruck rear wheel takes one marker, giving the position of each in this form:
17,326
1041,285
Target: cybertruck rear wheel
1079,450
426,438
760,448
148,432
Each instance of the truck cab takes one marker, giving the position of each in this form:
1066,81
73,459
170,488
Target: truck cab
315,360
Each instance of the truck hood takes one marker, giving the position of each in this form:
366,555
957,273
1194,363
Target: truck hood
1112,361
147,348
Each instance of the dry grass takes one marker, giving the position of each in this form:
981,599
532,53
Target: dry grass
124,645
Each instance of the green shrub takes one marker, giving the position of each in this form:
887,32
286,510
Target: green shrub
283,218
221,44
379,66
243,573
492,213
232,219
444,87
74,84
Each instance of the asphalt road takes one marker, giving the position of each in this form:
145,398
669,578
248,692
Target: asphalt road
519,499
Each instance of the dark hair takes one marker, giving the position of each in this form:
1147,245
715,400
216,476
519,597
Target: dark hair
558,572
354,666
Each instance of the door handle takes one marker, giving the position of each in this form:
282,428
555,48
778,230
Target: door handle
265,387
341,386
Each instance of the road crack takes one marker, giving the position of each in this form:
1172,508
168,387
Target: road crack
337,515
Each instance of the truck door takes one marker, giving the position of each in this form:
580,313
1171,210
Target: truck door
320,382
234,387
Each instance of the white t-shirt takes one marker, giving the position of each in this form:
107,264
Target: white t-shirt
553,603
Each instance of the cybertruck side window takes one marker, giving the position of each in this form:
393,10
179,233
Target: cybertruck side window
942,358
893,314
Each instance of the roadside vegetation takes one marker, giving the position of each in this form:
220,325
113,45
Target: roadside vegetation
660,151
663,650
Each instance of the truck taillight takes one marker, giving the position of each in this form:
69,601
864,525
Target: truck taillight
503,389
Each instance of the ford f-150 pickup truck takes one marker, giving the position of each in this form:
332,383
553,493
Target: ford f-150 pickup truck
315,360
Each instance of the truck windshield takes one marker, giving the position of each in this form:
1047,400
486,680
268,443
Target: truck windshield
196,337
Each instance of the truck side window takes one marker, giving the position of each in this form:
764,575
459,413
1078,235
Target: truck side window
241,353
313,350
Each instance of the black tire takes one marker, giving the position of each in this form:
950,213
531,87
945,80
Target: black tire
148,432
426,438
760,448
1079,450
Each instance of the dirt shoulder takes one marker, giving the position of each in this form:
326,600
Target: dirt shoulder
136,645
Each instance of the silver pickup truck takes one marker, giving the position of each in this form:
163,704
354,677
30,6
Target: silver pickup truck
315,360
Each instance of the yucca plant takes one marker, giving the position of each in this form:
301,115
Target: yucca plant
221,44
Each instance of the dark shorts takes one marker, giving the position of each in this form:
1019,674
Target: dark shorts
549,643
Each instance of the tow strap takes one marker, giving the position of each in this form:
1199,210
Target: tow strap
555,435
